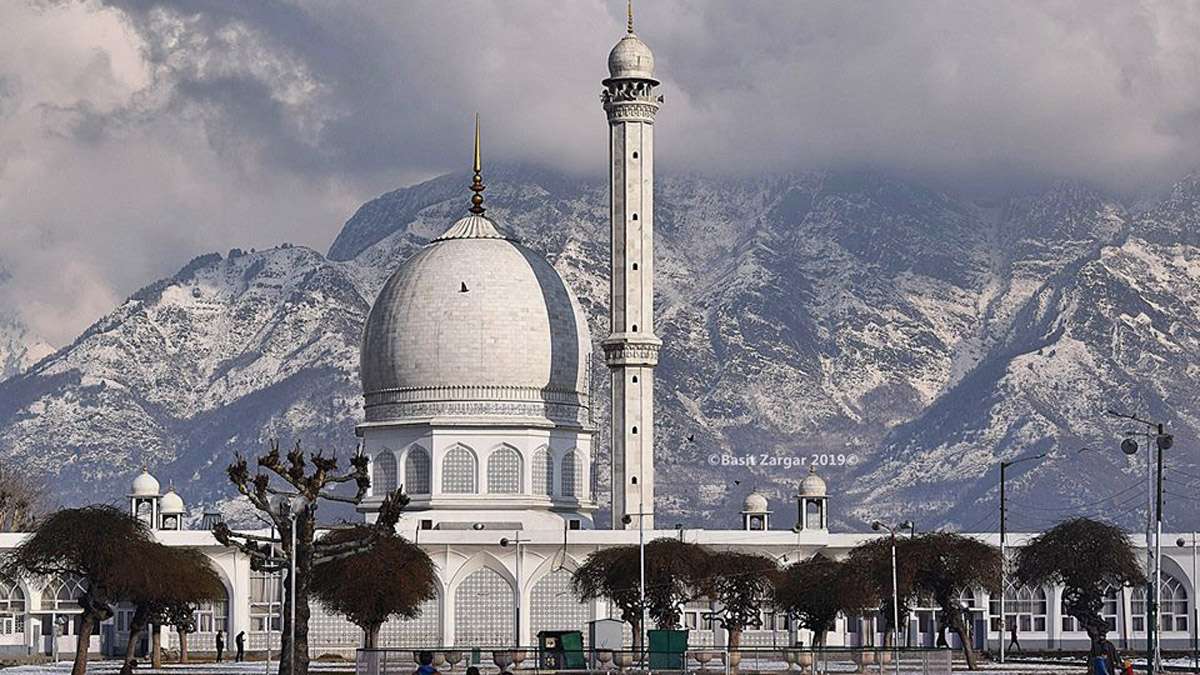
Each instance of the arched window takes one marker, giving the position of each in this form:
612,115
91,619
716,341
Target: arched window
1173,613
12,608
554,606
1024,608
265,602
383,474
483,610
458,471
572,480
62,595
543,473
418,472
812,516
504,471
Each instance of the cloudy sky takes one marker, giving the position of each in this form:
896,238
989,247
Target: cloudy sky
137,134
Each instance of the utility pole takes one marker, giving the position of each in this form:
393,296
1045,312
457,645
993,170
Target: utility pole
1004,540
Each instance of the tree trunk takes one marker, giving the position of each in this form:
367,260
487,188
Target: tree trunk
371,636
156,647
735,643
136,627
87,623
964,636
297,653
183,652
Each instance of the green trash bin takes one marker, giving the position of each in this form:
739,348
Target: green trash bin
667,649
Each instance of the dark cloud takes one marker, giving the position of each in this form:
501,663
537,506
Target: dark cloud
156,130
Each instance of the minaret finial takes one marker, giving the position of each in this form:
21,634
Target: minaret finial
629,17
477,183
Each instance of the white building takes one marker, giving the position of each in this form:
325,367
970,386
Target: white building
474,369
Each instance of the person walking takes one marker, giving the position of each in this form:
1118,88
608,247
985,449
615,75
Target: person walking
426,664
240,643
1103,658
220,646
1014,645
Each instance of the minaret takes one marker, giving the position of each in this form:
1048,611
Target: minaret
631,349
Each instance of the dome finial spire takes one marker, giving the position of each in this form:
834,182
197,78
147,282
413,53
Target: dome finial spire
629,17
477,183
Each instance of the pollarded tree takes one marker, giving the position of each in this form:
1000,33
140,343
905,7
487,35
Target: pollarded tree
174,578
291,499
740,583
1086,557
389,578
98,545
948,565
674,574
814,591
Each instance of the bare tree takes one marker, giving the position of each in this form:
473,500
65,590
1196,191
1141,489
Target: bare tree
98,545
20,501
1087,557
814,591
391,577
304,483
175,578
674,573
741,585
947,565
872,562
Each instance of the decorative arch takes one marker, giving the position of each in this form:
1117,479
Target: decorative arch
504,471
543,472
460,471
384,473
571,474
553,604
61,594
419,632
418,471
13,606
484,603
1173,612
1024,607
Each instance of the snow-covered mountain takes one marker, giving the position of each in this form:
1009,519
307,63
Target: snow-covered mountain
20,348
903,339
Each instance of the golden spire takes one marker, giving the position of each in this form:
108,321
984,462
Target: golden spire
477,183
629,17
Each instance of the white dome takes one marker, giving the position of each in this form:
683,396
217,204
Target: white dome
755,503
171,504
631,58
812,485
145,485
476,326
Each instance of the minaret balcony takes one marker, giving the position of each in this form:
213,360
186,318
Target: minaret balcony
631,349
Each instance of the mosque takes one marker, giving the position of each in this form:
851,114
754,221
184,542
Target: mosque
476,394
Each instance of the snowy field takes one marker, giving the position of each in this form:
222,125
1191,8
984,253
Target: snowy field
259,668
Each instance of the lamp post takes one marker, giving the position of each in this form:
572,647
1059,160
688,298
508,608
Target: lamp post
879,525
516,542
1181,542
1163,441
1004,539
627,519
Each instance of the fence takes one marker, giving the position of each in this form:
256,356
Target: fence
912,661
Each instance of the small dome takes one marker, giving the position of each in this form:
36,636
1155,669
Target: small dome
171,504
145,485
631,58
812,485
755,503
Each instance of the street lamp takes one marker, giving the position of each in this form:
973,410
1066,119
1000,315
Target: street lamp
1154,497
1181,542
516,542
290,506
627,519
1004,538
879,525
